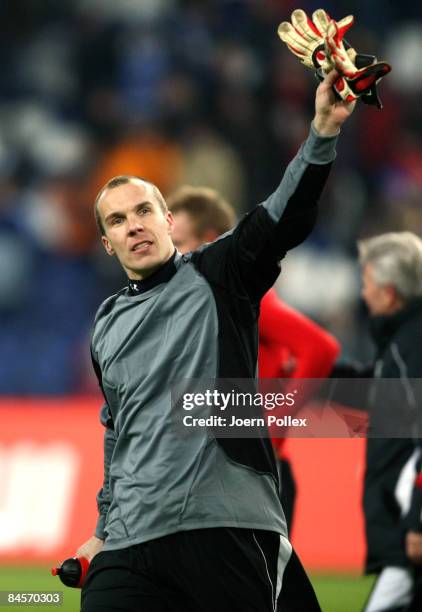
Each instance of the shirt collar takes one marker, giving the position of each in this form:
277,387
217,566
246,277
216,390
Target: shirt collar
162,275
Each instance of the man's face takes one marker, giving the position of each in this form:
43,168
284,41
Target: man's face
184,233
379,299
137,230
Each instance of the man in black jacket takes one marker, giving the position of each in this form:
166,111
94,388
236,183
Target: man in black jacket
392,289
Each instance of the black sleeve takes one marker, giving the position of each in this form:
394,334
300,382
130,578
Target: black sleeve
105,414
246,260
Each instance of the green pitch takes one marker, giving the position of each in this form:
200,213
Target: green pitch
336,592
37,579
341,592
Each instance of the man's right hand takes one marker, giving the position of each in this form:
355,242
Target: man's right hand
90,548
330,112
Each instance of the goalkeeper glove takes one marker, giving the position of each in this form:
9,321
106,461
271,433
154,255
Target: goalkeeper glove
355,81
314,42
306,38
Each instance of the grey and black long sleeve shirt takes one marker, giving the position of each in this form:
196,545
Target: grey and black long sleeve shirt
196,318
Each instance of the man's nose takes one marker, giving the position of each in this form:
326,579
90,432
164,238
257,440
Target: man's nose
134,224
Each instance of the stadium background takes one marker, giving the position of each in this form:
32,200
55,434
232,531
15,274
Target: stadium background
179,92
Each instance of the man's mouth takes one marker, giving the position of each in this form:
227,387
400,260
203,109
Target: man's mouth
141,246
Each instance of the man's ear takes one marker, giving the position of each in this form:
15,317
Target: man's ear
170,221
394,297
107,245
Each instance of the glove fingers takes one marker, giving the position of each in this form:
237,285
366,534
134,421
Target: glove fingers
304,57
352,54
336,56
338,30
288,34
295,44
344,25
319,43
344,92
337,53
332,29
304,26
364,79
321,20
363,85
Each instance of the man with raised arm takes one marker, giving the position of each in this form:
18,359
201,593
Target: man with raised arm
194,524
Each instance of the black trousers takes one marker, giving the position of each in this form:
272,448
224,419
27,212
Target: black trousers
416,603
297,593
206,570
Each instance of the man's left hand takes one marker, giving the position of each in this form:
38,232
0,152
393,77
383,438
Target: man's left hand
414,546
330,112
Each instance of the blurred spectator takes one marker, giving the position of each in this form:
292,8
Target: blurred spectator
209,160
145,153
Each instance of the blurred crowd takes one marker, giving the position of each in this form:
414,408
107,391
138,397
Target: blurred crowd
178,92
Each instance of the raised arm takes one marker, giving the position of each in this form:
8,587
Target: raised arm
246,260
292,207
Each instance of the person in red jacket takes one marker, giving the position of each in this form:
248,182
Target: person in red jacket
290,344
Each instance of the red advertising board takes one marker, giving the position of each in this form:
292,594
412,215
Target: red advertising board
328,531
51,469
